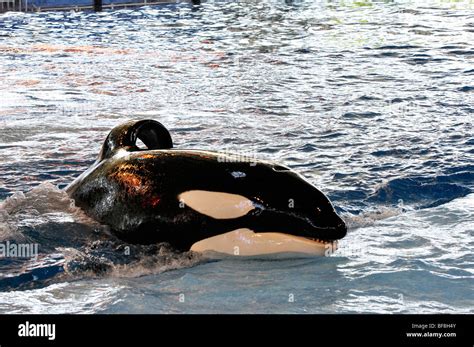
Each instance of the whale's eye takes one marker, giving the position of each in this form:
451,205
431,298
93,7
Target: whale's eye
238,174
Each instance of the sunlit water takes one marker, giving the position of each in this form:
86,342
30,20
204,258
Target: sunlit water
373,103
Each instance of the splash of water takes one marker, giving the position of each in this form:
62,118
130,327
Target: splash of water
71,244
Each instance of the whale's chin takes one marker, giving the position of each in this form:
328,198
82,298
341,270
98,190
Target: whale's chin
245,242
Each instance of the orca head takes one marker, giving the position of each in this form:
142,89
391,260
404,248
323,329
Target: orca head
309,208
297,208
278,212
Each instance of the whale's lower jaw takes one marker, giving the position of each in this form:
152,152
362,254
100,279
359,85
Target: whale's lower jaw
244,242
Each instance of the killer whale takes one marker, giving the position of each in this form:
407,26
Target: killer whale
202,200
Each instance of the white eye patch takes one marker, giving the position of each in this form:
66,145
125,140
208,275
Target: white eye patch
217,205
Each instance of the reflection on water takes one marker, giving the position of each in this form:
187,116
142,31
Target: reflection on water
372,102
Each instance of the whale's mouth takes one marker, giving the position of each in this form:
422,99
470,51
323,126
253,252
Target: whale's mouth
246,242
320,240
325,228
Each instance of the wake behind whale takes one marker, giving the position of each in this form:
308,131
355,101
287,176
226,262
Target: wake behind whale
70,244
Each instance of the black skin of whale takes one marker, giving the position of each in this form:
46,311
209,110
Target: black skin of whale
135,192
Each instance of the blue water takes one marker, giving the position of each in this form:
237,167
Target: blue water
372,102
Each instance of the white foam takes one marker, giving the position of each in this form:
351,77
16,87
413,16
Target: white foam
44,203
76,297
369,218
164,259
